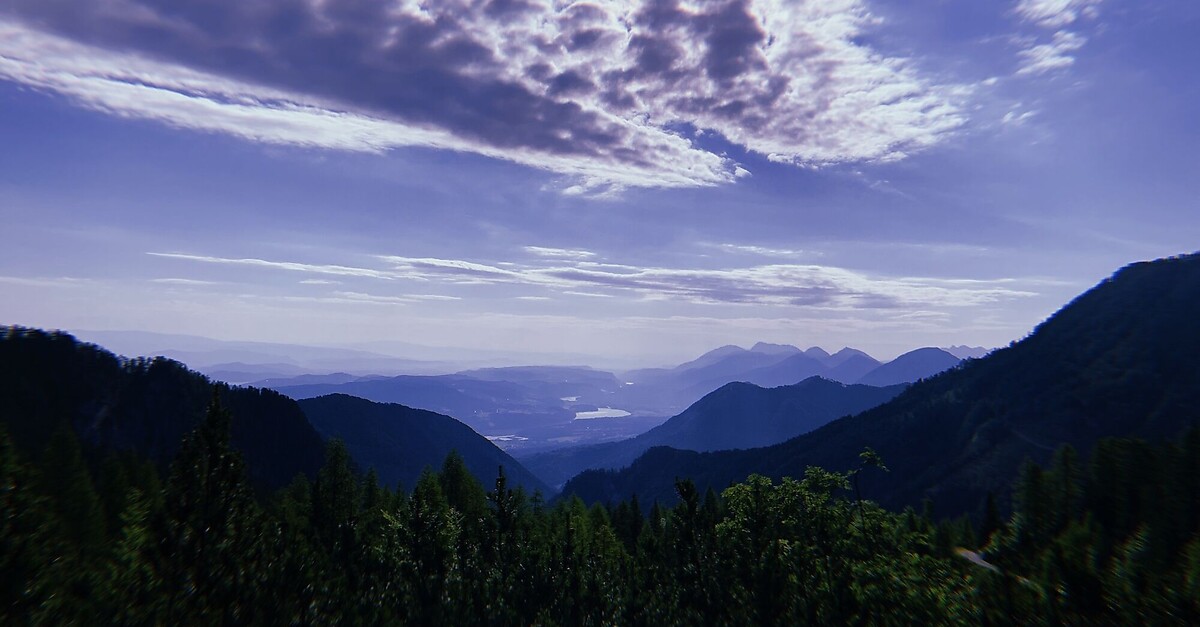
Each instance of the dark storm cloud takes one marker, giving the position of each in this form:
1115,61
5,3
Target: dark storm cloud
357,53
589,89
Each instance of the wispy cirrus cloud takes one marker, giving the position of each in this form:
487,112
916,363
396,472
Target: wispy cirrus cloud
599,91
1040,56
291,266
184,282
763,251
63,281
1057,13
1058,54
793,285
559,253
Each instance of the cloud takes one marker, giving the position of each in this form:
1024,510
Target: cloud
1056,55
1060,52
360,297
790,285
559,253
281,265
181,281
357,298
64,281
1056,13
761,250
1016,117
588,294
602,92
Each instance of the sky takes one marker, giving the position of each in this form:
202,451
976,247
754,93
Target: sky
638,181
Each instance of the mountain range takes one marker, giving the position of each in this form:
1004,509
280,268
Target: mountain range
773,365
534,408
1118,361
737,415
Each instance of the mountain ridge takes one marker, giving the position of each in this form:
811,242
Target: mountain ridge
736,415
399,442
1118,360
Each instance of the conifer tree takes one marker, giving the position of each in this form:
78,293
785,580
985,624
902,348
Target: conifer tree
27,548
213,542
66,481
336,503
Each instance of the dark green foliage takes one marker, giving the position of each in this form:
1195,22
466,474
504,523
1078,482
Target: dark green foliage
214,538
335,502
27,544
1109,543
1096,542
71,497
343,550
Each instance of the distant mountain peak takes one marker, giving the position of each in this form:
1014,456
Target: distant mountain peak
846,354
774,349
915,364
816,352
967,352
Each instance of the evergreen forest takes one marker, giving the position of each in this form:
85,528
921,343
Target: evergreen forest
91,538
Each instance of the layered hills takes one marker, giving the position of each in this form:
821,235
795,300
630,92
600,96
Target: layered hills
773,365
530,410
737,415
1119,360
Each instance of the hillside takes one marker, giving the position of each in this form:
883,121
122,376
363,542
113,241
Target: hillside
147,406
1119,360
399,442
140,405
738,415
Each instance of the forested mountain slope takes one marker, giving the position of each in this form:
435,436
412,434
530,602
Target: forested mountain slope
146,406
141,405
399,442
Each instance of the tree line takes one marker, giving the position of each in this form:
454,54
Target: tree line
1115,539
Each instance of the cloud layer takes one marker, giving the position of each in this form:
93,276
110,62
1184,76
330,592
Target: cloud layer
607,91
794,285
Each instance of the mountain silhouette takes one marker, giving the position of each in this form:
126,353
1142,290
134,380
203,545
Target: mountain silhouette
1118,361
399,442
145,406
913,365
738,415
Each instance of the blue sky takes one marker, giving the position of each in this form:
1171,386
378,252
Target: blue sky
639,181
